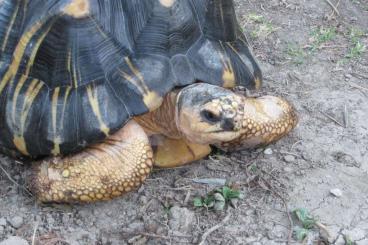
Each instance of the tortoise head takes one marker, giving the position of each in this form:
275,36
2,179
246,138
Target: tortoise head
207,114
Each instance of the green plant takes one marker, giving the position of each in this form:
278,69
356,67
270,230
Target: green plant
348,240
322,35
357,47
308,222
305,218
217,199
264,27
296,53
256,18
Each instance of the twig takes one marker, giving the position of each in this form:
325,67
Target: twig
289,153
333,7
359,75
333,119
324,228
296,143
354,85
161,237
34,234
333,12
346,116
13,181
216,227
291,223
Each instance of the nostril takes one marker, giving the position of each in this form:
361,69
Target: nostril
228,124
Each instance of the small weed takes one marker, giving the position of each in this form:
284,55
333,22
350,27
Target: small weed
357,47
301,233
254,168
217,199
256,18
263,30
348,240
296,53
305,218
307,222
264,27
321,36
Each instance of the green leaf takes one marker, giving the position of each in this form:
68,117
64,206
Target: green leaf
229,193
348,240
305,218
209,201
301,233
197,202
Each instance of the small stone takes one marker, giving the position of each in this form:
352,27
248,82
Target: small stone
137,240
14,240
336,192
288,170
2,230
2,222
268,151
16,222
289,158
347,75
136,227
181,219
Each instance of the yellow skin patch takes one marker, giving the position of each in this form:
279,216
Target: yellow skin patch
263,121
101,172
173,153
78,8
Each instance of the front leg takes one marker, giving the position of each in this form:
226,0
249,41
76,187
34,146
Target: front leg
100,172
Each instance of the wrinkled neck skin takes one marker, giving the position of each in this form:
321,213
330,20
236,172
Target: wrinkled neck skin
245,122
162,120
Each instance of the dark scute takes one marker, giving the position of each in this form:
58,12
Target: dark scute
210,58
183,70
220,22
167,31
76,52
7,9
22,117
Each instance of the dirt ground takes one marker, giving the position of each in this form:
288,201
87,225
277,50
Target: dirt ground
311,54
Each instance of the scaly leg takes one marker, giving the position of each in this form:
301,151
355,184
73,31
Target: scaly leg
100,172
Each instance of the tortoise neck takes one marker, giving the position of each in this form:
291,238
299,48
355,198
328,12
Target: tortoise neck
162,120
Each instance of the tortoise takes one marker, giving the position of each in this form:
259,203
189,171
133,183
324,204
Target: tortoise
97,92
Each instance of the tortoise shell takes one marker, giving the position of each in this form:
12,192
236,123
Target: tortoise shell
75,71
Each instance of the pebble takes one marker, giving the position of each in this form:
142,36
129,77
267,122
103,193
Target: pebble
16,222
181,219
2,230
336,192
288,170
289,158
268,151
14,240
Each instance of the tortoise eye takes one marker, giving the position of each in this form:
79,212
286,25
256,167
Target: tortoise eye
210,116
